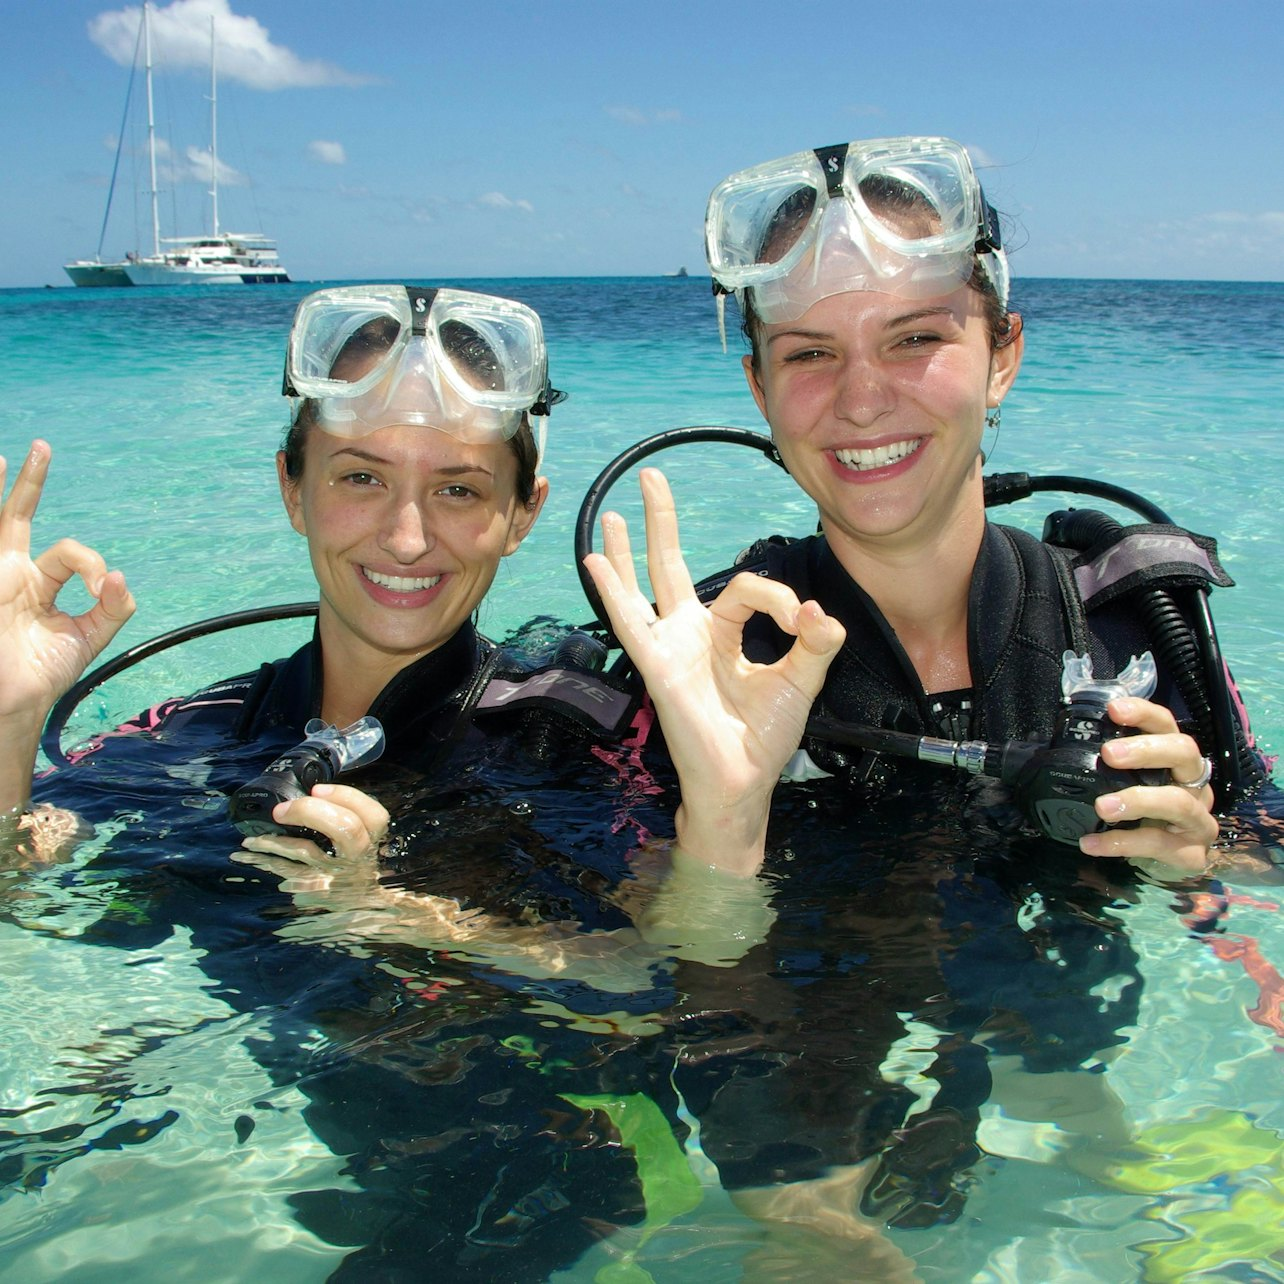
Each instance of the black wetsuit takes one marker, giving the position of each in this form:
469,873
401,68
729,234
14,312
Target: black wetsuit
916,903
1028,603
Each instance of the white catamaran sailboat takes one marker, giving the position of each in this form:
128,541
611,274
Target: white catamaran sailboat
214,258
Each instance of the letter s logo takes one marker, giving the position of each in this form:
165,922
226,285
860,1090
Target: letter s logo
421,304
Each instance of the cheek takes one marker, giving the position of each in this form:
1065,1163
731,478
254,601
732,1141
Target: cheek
794,404
480,536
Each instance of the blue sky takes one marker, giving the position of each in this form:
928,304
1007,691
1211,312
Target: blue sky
567,137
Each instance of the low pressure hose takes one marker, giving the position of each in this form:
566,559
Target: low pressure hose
1172,638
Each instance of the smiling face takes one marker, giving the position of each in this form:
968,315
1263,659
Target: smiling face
406,527
877,405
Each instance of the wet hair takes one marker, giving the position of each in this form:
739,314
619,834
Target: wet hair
899,204
464,345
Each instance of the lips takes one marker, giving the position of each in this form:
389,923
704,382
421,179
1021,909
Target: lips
402,592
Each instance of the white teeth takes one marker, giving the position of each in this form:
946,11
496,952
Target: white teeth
879,457
400,583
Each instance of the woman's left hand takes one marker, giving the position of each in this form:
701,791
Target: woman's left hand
354,823
730,724
1177,825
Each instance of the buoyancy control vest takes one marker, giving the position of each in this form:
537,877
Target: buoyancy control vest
1029,602
424,708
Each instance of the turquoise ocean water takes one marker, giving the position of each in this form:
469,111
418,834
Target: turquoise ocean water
164,409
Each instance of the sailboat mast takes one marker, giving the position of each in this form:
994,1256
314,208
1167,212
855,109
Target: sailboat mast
213,127
151,131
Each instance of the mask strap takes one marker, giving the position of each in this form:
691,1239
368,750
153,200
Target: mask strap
539,426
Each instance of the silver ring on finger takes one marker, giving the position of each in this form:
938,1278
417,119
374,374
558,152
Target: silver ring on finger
1204,777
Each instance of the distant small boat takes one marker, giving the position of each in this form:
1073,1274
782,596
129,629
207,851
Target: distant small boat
234,258
680,272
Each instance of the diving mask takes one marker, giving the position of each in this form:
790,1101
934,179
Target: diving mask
903,216
370,356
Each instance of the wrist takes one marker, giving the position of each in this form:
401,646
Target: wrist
11,826
732,839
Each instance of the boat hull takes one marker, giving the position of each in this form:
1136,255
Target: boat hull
162,274
97,275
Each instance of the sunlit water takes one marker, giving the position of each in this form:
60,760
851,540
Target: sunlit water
156,1129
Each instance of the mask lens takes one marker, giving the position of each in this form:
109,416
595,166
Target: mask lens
918,198
345,340
760,219
492,350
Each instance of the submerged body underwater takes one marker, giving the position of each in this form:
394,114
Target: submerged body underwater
1024,1062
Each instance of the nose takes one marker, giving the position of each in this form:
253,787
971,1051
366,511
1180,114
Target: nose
863,392
406,534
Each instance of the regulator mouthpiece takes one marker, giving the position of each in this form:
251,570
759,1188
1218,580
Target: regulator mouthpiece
326,753
1139,678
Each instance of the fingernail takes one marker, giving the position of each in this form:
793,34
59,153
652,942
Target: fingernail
322,790
1111,807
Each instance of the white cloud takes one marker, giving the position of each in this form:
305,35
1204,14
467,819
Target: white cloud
1225,237
327,153
200,167
636,116
498,201
180,36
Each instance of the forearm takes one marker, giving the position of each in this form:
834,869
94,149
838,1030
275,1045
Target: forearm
702,913
20,737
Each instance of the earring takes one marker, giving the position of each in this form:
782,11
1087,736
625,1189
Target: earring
992,423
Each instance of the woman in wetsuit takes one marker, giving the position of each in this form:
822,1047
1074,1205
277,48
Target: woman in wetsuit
411,467
874,292
405,528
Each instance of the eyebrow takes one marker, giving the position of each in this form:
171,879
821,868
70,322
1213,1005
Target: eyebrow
369,457
921,314
905,318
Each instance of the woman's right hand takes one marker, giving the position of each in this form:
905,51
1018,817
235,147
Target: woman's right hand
45,650
730,725
355,824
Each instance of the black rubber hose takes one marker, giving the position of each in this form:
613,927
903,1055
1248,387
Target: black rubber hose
51,740
1007,488
621,464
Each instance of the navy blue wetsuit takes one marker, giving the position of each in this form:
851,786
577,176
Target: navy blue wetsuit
440,1080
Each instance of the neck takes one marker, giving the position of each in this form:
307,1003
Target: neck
354,673
922,588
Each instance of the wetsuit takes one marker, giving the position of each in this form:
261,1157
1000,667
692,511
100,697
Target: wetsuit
442,1081
915,904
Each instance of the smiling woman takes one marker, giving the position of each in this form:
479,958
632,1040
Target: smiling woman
410,466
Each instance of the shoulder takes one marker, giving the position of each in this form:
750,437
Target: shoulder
786,559
569,691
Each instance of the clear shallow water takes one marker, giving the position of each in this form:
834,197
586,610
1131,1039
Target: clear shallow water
127,1071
